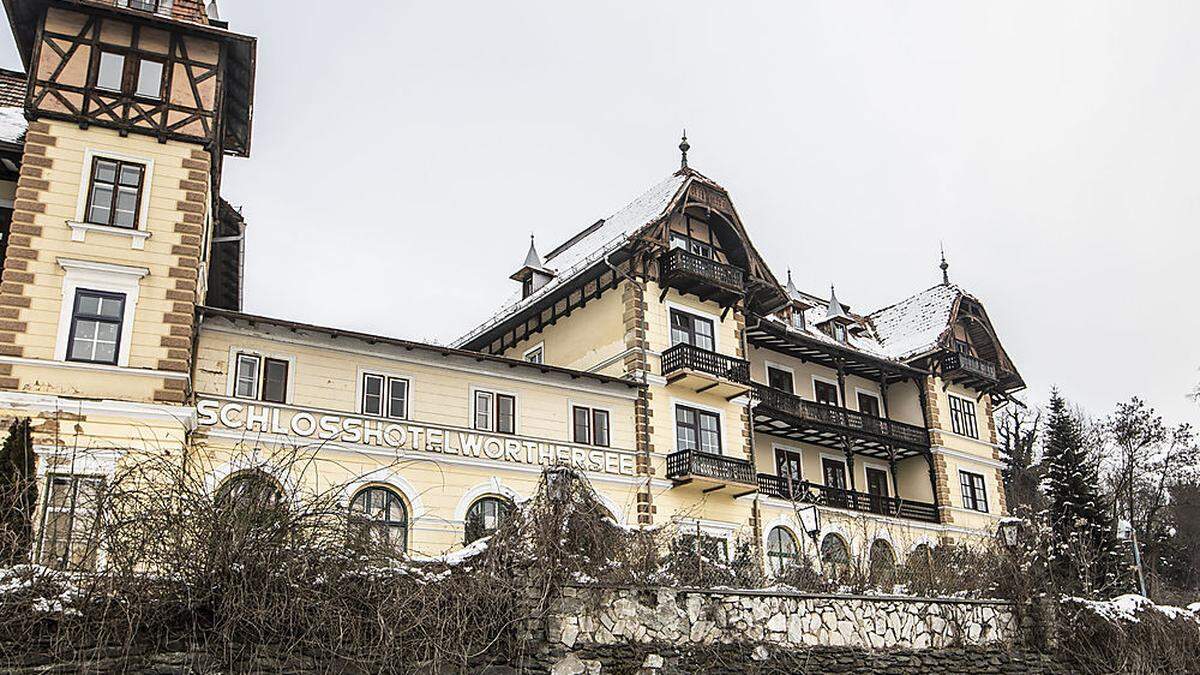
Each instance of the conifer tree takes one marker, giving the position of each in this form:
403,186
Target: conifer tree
17,494
1087,558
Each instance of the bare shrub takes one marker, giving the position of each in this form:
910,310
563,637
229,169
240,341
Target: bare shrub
1144,641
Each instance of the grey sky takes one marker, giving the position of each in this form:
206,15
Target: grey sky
404,151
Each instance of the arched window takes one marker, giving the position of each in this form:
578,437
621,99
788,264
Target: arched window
249,489
883,563
781,550
920,558
835,555
484,517
380,514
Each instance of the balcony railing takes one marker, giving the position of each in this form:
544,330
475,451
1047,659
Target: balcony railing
684,356
969,365
771,485
840,418
688,464
679,263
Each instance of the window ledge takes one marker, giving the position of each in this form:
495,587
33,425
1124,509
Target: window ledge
137,238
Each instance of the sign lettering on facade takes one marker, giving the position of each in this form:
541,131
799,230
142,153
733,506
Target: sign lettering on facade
402,435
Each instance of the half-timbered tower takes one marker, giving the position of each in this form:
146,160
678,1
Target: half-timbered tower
114,232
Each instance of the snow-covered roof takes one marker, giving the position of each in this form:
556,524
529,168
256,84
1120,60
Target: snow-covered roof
591,245
916,324
12,124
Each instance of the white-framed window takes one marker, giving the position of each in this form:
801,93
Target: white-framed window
260,377
96,321
536,354
781,378
494,411
868,403
590,426
974,491
114,196
99,301
384,396
694,330
963,420
70,521
697,429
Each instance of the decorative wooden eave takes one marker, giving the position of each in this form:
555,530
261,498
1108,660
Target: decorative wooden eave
236,94
983,334
768,334
764,294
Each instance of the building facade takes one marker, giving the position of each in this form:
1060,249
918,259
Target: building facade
654,350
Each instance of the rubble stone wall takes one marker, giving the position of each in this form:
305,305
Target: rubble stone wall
609,616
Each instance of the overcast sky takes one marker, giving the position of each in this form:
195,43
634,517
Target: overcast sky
404,151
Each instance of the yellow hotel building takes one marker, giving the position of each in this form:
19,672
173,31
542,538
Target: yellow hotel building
655,349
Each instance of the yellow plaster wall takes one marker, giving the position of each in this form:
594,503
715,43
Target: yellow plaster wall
585,339
67,177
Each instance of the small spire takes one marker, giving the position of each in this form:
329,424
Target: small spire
214,14
683,148
532,259
945,266
791,287
835,310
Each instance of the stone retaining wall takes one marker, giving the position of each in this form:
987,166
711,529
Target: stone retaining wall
610,616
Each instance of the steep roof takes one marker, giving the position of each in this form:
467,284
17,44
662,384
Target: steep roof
916,324
591,245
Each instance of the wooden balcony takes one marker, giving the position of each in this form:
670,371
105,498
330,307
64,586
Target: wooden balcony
703,277
716,471
770,485
970,371
789,416
703,371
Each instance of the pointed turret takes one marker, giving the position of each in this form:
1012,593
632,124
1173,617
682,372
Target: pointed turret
532,275
835,311
945,267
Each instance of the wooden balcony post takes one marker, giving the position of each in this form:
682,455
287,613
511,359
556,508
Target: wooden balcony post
933,482
850,469
895,480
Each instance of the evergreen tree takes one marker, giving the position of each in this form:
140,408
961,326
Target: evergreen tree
1086,557
17,494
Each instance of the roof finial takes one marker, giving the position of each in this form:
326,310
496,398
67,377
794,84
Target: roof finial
683,148
945,266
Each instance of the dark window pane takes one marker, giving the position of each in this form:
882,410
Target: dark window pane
826,393
780,379
868,404
581,423
600,427
275,381
397,397
372,395
506,414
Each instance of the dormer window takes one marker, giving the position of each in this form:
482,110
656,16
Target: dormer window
839,332
527,286
798,318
